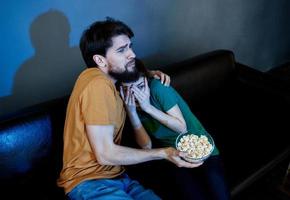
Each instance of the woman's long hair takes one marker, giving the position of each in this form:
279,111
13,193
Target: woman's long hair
142,69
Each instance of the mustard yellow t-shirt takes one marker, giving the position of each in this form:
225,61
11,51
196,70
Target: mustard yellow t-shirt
94,101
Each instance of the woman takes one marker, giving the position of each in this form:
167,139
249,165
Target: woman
160,113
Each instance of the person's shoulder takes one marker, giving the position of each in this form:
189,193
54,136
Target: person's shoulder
102,83
94,75
93,79
157,89
155,83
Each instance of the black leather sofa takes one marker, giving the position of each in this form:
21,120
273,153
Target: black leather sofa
240,107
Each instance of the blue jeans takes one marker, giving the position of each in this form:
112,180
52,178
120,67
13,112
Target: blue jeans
206,182
111,189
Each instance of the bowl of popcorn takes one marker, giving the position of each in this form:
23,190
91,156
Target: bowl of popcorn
198,147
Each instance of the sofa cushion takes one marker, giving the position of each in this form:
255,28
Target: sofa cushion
24,145
31,151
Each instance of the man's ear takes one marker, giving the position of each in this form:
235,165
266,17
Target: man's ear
100,60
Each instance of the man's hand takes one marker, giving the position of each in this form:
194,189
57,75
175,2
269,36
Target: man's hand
175,156
164,78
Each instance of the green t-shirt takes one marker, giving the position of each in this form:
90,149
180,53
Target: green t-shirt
164,98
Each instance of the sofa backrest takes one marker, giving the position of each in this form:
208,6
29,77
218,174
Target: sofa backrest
202,76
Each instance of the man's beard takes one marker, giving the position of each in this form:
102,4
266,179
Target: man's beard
126,76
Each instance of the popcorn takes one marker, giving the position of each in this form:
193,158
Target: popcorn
195,146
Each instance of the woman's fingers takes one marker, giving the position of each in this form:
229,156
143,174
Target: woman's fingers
125,99
145,82
132,99
122,92
138,94
147,89
138,91
128,95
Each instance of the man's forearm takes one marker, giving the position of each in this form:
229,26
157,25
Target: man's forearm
121,155
108,153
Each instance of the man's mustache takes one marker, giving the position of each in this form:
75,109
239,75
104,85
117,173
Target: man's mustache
132,62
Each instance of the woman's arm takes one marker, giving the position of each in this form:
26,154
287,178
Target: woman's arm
141,136
172,119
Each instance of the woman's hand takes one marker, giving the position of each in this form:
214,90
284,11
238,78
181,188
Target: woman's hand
129,100
142,96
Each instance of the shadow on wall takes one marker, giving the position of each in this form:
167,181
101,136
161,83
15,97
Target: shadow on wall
53,69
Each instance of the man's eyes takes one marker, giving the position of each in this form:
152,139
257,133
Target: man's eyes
121,50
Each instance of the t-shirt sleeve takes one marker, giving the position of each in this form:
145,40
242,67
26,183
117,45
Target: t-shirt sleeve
98,104
165,96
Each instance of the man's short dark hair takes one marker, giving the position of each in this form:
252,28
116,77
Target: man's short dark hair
98,38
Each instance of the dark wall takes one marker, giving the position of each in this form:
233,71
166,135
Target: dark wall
39,52
257,31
